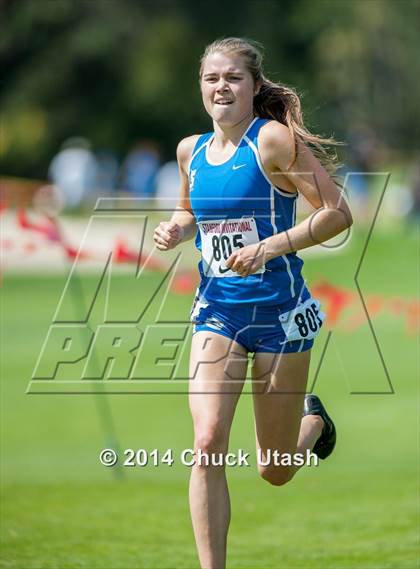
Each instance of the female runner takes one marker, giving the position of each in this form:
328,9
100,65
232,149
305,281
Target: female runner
239,186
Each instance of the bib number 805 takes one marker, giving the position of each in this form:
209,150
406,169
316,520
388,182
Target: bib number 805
303,322
308,321
225,245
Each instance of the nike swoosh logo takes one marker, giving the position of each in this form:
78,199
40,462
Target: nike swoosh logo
237,167
221,270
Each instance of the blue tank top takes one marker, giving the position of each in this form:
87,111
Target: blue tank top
236,199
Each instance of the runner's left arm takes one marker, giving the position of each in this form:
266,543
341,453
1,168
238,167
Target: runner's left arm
304,171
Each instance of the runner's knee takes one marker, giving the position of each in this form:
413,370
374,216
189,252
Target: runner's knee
276,475
211,439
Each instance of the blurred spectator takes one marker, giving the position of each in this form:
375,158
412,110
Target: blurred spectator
140,168
107,172
398,201
73,170
361,165
167,185
414,182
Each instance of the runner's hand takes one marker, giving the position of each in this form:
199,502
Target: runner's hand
247,260
167,235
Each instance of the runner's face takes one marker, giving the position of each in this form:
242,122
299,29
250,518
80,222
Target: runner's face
227,88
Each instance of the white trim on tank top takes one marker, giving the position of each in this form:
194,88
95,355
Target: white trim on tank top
234,152
273,211
261,168
194,155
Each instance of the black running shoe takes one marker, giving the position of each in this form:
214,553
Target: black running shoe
326,442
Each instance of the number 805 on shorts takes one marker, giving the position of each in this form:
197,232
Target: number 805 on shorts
302,322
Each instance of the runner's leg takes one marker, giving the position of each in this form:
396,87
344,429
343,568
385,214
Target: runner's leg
217,372
279,388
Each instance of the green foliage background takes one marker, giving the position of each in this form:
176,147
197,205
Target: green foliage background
118,70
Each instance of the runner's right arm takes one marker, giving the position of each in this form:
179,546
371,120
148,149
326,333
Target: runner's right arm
182,226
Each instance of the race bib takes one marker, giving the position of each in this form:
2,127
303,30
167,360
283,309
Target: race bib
302,322
220,238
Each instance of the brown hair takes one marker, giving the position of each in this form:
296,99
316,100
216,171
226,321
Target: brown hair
275,100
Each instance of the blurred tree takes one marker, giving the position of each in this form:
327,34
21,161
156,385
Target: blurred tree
118,70
367,64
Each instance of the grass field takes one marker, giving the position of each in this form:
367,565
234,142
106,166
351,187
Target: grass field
62,509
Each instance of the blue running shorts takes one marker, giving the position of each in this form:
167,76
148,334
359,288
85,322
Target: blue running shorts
285,328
